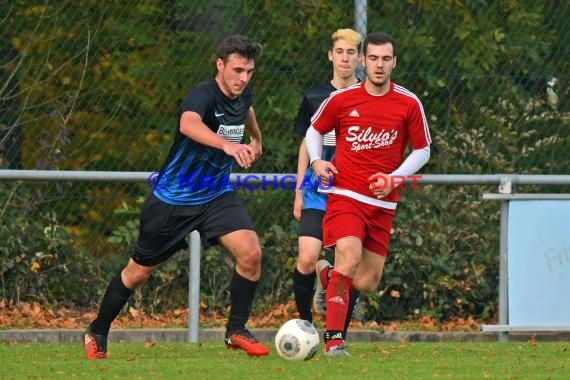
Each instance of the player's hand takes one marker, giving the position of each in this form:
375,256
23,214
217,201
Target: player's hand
243,154
298,204
380,184
325,172
257,150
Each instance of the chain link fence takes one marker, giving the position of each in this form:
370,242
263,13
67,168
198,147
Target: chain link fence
96,85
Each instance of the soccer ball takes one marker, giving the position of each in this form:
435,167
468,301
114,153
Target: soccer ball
297,339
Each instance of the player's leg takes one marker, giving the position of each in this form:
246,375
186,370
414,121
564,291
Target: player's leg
245,247
375,249
343,228
304,276
323,270
153,246
228,223
353,298
366,278
310,246
117,294
375,244
348,251
369,272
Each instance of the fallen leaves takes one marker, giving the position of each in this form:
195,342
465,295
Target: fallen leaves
34,315
533,341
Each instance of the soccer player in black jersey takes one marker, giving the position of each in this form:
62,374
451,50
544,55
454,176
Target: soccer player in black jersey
193,192
309,204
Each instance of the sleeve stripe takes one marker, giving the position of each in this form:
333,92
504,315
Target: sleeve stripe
320,109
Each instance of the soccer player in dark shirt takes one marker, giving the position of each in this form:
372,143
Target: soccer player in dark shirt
193,192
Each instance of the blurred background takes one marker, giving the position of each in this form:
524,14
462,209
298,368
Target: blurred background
96,86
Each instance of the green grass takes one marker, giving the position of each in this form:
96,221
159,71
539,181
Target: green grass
496,360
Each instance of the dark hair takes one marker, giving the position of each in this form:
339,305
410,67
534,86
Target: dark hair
378,38
238,44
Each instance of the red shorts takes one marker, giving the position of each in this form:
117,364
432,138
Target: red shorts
347,217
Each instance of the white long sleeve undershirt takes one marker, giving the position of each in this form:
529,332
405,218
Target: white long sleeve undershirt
414,162
314,141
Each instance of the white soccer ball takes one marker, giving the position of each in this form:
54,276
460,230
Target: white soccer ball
297,339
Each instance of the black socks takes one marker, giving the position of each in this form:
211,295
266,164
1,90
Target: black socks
303,285
116,296
242,292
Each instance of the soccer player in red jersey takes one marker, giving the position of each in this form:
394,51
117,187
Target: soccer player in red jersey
373,122
309,204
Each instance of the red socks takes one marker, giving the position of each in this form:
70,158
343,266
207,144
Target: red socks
338,289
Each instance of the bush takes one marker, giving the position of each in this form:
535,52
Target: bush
38,259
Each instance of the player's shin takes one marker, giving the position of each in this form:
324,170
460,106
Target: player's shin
337,307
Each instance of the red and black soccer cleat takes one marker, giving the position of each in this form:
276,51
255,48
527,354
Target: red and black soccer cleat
95,344
243,340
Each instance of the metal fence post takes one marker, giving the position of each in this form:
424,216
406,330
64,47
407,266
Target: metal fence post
360,25
194,288
505,187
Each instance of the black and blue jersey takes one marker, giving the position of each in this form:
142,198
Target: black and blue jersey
311,101
194,173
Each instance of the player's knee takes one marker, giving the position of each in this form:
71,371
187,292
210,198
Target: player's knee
249,264
133,277
250,257
305,264
368,285
364,288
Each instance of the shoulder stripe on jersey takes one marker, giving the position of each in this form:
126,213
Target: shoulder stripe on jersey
404,91
332,95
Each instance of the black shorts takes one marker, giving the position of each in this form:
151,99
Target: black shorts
312,223
164,227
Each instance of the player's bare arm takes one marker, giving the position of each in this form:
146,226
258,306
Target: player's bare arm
191,125
302,165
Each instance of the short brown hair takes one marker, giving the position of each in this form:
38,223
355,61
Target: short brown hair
379,38
238,44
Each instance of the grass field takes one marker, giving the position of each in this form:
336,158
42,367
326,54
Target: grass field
496,360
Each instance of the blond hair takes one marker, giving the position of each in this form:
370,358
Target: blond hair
348,35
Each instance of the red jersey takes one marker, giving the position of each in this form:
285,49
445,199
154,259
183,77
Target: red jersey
372,133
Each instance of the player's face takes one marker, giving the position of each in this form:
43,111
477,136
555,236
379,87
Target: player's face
234,75
379,61
344,57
